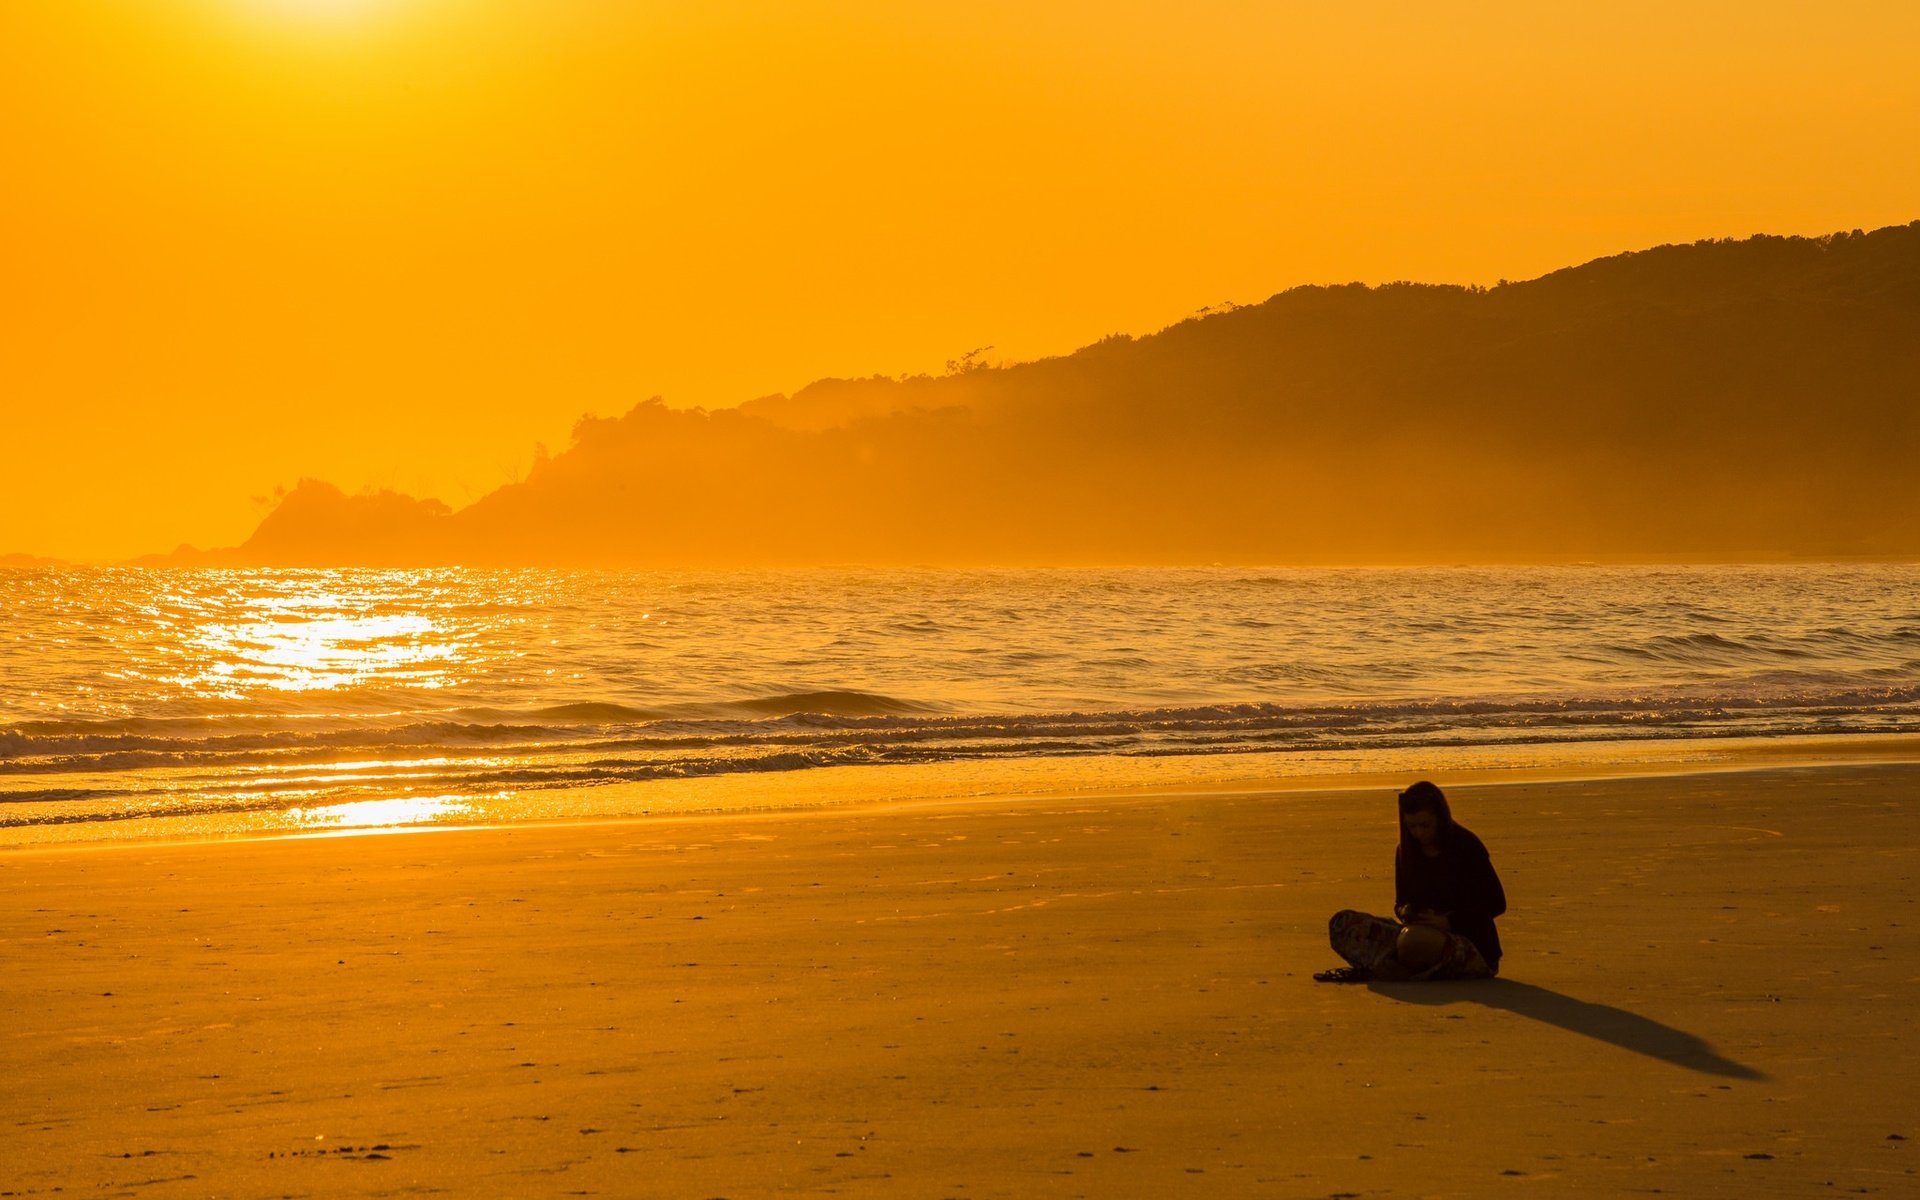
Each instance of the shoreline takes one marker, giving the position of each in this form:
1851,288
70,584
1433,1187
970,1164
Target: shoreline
1704,992
885,787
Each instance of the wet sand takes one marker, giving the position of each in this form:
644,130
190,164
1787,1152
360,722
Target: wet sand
1711,989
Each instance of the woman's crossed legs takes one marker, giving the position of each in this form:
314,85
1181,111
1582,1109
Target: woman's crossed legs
1390,950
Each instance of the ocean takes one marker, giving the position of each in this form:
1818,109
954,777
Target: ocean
299,699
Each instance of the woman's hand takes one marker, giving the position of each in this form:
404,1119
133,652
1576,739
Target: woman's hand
1420,916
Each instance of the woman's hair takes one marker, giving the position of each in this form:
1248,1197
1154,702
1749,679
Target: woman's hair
1424,797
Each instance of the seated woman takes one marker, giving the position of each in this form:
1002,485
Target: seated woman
1446,895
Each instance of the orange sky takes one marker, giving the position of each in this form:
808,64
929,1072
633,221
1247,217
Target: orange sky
395,243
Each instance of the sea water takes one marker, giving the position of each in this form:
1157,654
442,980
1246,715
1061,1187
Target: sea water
131,695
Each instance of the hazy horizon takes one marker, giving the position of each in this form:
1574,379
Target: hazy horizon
1723,401
985,357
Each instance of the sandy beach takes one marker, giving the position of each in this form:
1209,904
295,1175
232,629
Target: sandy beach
1710,990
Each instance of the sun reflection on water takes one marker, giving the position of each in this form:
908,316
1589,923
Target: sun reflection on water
370,816
299,674
316,641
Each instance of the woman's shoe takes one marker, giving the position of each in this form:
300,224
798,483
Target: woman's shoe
1344,975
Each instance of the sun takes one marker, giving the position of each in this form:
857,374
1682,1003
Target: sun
325,9
323,13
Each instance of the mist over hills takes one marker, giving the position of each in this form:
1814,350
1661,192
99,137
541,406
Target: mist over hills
1720,400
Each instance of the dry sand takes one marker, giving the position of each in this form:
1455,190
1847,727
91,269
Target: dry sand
1710,990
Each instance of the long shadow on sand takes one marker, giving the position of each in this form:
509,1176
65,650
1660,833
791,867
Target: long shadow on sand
1603,1022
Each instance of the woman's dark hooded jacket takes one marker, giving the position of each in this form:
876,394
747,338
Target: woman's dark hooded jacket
1460,882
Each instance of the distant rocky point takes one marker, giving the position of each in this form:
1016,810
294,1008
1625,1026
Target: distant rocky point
1724,400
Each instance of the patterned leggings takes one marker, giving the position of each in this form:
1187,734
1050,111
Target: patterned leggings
1367,941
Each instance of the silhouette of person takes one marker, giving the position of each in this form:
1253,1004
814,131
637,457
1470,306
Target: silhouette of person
1446,895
